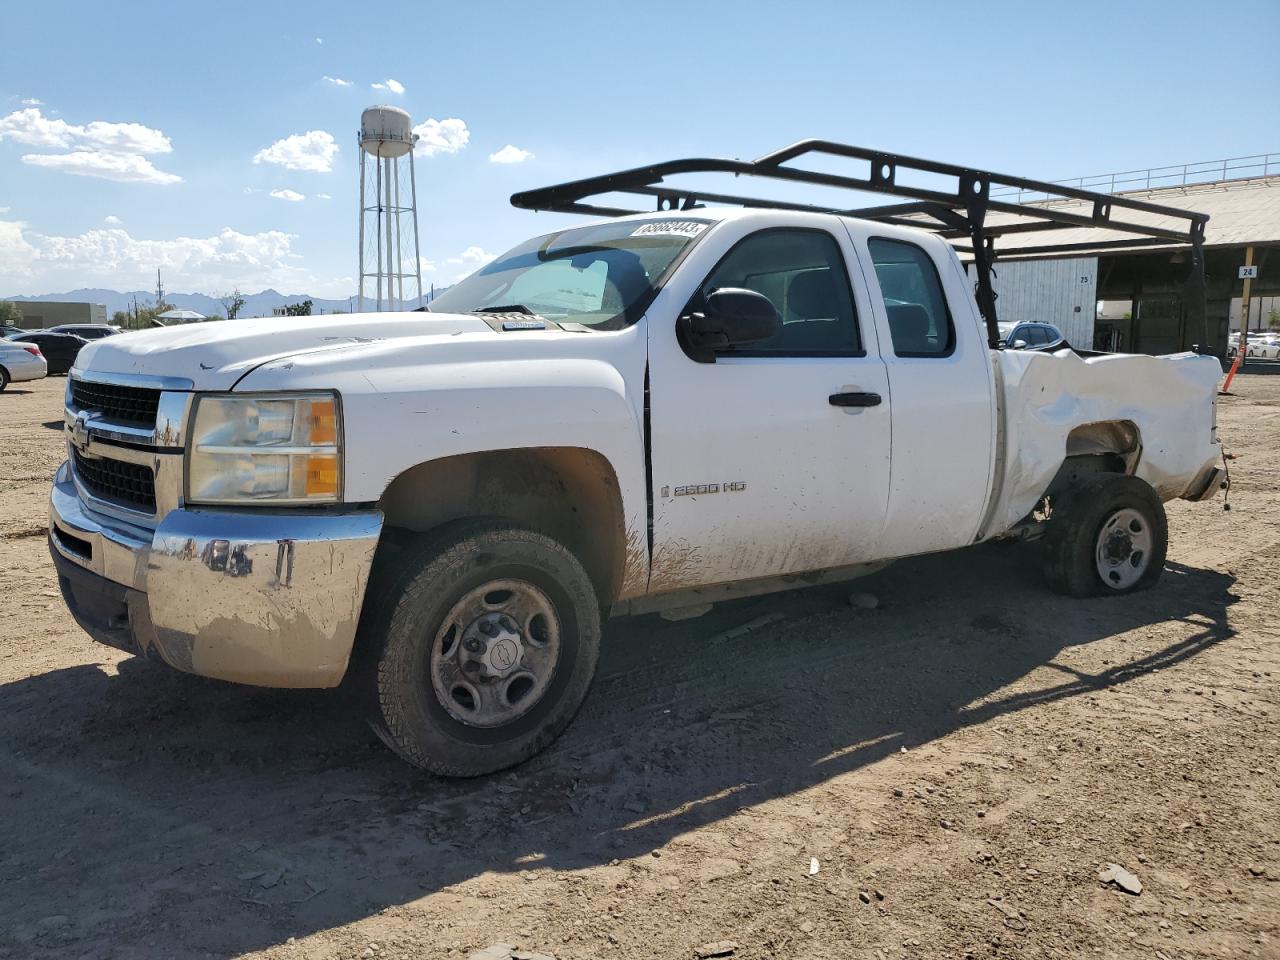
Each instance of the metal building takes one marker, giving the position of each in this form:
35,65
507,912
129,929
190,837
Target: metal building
1140,291
43,314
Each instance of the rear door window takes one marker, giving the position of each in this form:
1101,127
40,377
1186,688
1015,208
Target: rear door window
919,320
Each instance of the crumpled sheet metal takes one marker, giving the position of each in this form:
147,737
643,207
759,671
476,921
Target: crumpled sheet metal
1170,399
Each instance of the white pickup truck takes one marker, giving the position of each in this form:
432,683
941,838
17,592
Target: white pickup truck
648,411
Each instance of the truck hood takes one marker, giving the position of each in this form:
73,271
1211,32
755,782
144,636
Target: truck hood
215,355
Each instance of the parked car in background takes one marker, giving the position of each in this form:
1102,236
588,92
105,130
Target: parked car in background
60,349
1263,346
8,331
87,331
1032,336
20,361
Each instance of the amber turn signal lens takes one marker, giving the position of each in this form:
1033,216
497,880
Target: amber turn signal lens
322,475
324,423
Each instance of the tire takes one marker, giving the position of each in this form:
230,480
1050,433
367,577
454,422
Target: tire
1107,536
438,698
4,379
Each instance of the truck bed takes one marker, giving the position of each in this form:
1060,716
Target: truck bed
1170,401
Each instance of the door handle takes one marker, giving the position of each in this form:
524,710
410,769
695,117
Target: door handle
854,399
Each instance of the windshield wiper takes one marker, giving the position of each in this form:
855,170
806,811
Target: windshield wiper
506,308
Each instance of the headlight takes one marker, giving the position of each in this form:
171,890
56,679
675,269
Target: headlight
265,447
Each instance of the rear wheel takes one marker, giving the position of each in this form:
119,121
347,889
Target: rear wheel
4,378
1108,535
483,641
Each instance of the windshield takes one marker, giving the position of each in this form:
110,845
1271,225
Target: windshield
602,276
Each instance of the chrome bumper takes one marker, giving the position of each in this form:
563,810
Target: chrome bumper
259,597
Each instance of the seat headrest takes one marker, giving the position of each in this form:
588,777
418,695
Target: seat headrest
909,324
812,296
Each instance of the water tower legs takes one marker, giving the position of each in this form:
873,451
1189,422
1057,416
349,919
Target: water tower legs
386,139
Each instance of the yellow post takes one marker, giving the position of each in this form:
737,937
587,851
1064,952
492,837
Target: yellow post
1243,343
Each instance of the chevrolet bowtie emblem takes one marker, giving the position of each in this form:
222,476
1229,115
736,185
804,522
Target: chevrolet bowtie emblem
80,433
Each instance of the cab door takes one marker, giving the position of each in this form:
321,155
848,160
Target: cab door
761,462
940,374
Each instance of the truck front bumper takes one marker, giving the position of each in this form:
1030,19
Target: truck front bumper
270,598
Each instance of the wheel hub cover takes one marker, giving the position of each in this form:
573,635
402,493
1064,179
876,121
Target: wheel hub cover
503,654
1119,546
494,646
495,653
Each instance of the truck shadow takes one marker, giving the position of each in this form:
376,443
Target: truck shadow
168,816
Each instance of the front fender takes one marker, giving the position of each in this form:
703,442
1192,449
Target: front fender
402,407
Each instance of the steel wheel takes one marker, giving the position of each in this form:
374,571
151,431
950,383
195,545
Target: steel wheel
495,653
1123,549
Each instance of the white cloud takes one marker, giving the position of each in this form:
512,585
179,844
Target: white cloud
323,196
441,136
110,218
4,209
472,259
121,167
31,263
34,129
16,253
510,154
478,255
313,150
103,149
395,86
286,194
337,81
126,138
319,40
32,102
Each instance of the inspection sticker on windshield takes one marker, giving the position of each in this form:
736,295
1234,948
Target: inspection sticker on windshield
679,228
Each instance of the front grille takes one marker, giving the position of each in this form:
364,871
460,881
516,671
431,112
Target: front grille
129,404
128,483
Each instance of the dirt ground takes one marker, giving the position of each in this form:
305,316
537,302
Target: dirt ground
961,762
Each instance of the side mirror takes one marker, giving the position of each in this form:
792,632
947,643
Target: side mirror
1019,344
731,316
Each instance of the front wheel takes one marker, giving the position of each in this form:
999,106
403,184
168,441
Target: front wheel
1108,535
4,379
484,640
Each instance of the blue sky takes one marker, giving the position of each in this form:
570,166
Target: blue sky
1043,90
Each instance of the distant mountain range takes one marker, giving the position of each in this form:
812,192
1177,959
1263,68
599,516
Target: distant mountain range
255,304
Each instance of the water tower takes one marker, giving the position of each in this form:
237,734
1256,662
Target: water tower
386,145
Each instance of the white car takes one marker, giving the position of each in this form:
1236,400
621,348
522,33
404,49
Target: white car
646,412
19,362
1264,346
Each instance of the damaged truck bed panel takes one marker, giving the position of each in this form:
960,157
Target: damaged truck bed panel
1164,408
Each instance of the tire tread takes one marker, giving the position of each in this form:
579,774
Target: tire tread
1078,513
404,576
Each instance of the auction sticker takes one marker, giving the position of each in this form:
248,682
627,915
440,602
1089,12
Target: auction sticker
679,228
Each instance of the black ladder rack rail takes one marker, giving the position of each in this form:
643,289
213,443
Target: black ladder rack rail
953,215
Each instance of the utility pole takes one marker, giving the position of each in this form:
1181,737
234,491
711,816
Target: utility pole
159,290
1247,273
